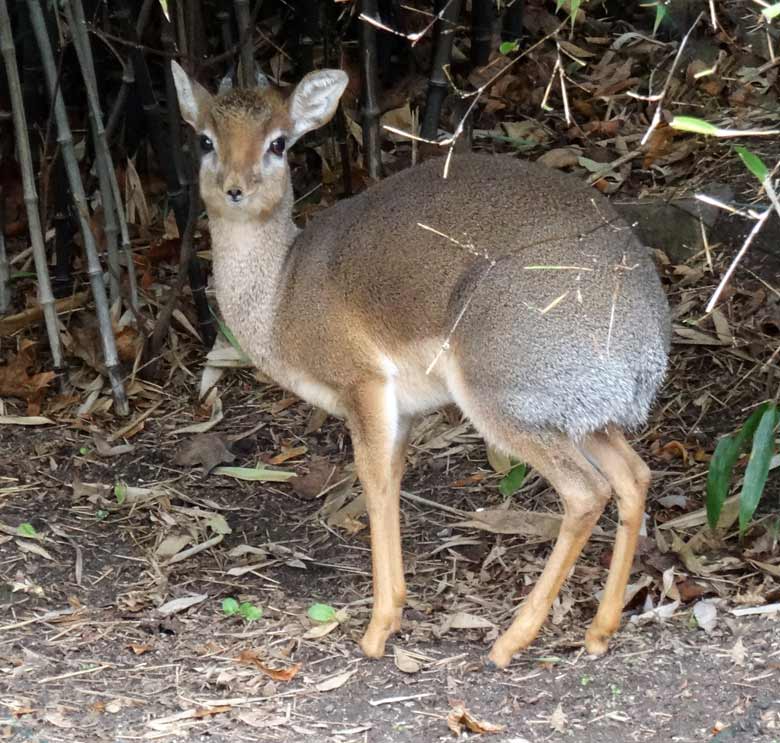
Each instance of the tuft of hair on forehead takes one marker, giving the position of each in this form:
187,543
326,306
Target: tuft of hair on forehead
243,102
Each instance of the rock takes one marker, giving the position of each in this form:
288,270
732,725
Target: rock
673,226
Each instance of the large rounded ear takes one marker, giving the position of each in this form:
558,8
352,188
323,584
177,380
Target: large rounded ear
194,99
314,100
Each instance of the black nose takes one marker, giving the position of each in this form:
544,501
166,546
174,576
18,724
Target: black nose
235,194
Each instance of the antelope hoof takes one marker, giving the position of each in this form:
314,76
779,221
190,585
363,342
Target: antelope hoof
500,654
597,641
373,641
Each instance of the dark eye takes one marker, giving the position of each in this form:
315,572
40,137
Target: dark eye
277,146
206,145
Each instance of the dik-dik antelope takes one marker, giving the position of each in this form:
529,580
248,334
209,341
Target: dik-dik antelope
509,289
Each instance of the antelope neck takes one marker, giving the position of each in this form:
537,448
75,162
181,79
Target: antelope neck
249,260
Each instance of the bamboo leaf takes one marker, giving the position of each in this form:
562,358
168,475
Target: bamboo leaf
753,163
758,467
771,12
719,477
723,460
692,124
660,13
257,474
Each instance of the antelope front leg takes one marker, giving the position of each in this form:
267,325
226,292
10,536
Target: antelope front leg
379,438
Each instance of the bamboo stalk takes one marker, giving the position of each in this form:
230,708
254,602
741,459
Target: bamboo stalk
438,85
45,297
246,68
5,276
110,225
372,141
94,270
74,11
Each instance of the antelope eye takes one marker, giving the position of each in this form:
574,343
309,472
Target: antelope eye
277,146
206,145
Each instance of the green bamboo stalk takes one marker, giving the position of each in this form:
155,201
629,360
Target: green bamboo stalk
45,296
94,270
113,209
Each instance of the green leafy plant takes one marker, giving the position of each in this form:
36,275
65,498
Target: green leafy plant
248,611
512,481
26,530
758,433
321,613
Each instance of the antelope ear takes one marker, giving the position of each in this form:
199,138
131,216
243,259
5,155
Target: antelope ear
314,101
194,99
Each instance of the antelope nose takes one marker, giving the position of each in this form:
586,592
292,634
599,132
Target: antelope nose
235,194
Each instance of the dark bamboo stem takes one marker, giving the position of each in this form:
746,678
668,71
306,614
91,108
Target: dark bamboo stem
438,84
372,142
483,24
246,67
513,20
5,275
45,296
78,31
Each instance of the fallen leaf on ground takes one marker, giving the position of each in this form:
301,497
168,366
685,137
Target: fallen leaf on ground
335,682
181,604
15,380
320,475
558,720
405,661
251,657
104,449
515,521
207,450
460,718
706,614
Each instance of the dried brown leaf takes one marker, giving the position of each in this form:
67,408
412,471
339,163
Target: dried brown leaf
460,718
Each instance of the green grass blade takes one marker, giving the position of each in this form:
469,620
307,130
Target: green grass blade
757,467
772,11
753,163
692,124
719,477
745,436
660,14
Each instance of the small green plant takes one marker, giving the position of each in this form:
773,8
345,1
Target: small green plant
120,492
758,433
321,613
26,530
512,481
246,610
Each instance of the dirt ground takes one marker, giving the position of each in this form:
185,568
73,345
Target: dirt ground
89,651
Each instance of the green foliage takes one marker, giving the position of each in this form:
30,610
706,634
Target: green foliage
753,163
245,610
758,432
120,492
513,480
26,530
321,613
660,13
509,47
772,11
757,469
694,125
574,6
250,612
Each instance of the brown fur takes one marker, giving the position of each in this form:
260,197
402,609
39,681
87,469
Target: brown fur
543,312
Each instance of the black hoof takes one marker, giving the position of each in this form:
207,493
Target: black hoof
490,667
